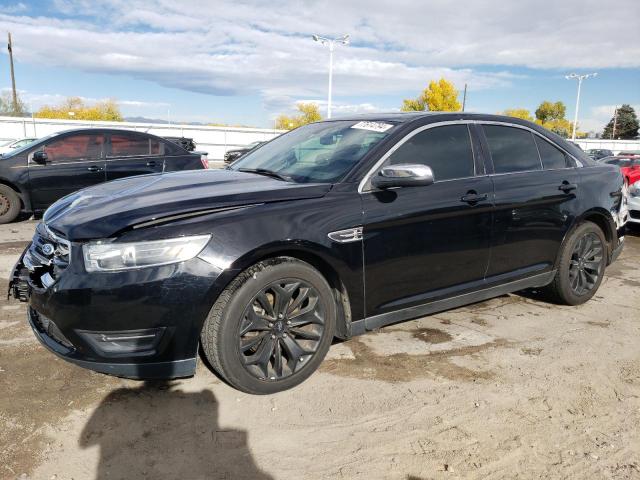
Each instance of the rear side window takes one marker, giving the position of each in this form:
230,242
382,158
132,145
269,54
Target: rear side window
447,150
512,149
128,145
552,157
75,147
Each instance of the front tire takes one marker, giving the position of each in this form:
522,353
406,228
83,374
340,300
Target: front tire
9,204
581,266
271,327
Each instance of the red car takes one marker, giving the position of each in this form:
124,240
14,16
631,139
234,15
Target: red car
629,166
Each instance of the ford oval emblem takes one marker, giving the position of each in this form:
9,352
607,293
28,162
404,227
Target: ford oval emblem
48,249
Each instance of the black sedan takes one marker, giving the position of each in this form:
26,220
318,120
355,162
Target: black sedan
598,153
331,230
38,174
235,153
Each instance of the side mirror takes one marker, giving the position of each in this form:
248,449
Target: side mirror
407,175
40,157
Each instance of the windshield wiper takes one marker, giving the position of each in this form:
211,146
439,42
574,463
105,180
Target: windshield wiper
266,172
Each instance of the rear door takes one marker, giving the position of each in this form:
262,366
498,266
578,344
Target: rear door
428,242
131,153
73,162
536,199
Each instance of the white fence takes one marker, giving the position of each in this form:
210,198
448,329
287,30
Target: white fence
214,140
616,146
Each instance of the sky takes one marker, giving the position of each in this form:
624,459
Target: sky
245,62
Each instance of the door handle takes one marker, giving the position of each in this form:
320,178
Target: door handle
94,169
472,197
567,187
151,163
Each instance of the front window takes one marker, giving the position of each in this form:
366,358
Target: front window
75,147
320,152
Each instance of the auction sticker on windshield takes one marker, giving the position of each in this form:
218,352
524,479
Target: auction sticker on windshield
373,126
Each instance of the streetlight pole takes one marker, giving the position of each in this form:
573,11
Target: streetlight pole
580,78
331,42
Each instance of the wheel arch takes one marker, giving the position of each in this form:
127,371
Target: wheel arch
22,195
602,218
314,256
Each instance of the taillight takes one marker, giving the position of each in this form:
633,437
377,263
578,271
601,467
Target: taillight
205,161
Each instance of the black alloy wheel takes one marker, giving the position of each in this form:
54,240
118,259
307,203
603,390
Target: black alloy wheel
580,266
586,264
270,329
281,329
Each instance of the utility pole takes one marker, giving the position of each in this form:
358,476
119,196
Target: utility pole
464,97
13,77
615,121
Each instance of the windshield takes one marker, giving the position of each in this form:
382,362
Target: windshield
317,153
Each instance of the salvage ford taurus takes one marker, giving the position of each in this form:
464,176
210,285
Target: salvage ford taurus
331,230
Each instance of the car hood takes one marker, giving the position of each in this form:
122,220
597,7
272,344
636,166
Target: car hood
106,209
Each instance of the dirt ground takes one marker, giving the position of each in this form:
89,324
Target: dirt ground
508,388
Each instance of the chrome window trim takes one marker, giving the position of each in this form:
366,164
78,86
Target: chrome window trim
365,180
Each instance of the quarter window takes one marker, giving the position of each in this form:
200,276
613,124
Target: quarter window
447,150
512,149
552,157
76,147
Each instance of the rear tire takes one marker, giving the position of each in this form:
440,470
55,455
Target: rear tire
581,266
9,204
271,327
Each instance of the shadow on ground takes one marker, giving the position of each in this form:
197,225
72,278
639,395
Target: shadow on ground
156,431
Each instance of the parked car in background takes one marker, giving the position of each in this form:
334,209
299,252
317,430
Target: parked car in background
629,166
331,230
12,145
629,153
187,143
598,153
236,153
634,204
34,176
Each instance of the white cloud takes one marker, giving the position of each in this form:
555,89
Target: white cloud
37,100
249,47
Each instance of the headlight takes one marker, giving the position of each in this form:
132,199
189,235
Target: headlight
634,189
107,257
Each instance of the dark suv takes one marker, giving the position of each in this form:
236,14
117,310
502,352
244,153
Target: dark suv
35,176
331,230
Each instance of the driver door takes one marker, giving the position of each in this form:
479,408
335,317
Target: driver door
423,243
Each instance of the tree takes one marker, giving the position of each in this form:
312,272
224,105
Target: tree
550,111
309,113
9,109
626,124
551,115
439,96
105,110
522,113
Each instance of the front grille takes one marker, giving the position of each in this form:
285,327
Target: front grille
47,326
48,256
635,214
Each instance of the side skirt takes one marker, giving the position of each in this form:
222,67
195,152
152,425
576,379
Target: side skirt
371,323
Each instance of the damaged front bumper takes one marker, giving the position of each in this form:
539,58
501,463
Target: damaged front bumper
142,323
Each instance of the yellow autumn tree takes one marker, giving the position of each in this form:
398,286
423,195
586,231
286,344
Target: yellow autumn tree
522,113
439,96
76,109
309,113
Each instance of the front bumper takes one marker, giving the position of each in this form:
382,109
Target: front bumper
634,210
69,309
